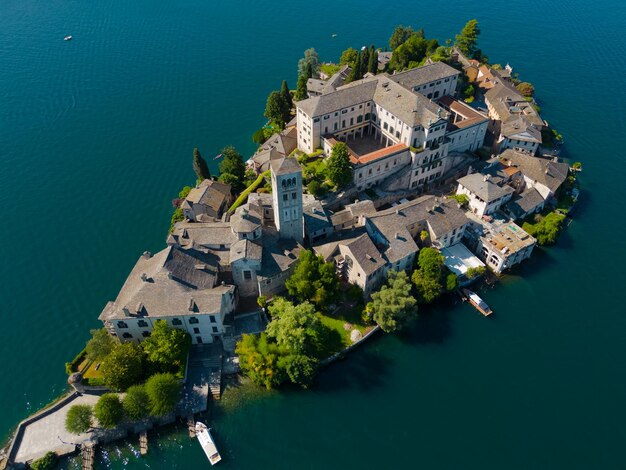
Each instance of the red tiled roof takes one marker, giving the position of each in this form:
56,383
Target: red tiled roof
382,153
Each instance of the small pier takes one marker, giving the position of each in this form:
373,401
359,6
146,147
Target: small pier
191,426
143,443
88,454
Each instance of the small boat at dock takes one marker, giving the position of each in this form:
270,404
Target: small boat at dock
206,441
478,303
67,38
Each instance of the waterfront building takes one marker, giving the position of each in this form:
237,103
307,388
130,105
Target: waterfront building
207,201
287,198
485,195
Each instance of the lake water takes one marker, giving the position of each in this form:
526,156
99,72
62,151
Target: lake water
96,137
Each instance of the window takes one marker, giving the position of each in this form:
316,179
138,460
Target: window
344,111
335,127
193,321
359,119
285,197
122,324
247,275
176,322
397,134
212,319
142,323
360,106
215,330
316,120
352,109
352,121
385,126
196,330
336,114
294,195
391,130
326,117
343,124
367,116
127,335
145,334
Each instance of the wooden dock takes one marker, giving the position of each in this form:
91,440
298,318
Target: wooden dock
143,443
88,454
191,426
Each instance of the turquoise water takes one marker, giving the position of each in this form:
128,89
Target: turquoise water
96,137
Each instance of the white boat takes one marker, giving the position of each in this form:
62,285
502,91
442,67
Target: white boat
206,441
67,38
477,302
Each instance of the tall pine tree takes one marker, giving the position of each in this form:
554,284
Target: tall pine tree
284,91
200,167
372,65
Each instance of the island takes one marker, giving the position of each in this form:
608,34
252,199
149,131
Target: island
383,182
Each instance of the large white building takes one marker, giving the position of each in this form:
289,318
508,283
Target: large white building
392,124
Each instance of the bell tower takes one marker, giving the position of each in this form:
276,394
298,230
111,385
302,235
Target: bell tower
287,198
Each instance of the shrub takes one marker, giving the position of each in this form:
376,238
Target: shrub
547,230
70,367
47,462
123,367
108,410
471,273
314,188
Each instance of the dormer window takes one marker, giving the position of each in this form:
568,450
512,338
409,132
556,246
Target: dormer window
176,322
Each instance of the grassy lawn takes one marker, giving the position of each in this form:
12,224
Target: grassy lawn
244,195
330,69
91,372
335,321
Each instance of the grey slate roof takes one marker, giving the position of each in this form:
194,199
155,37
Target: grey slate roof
412,108
509,103
245,220
173,282
279,256
545,171
426,74
245,249
526,202
344,97
315,217
197,234
483,187
285,166
519,128
365,254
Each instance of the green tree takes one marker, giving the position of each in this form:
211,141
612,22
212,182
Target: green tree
312,60
136,402
163,392
167,347
467,39
428,288
526,89
296,328
471,273
259,137
286,94
123,367
277,110
355,72
339,166
300,369
365,59
78,419
452,282
400,36
259,360
313,280
100,344
414,50
108,410
232,164
372,64
47,462
393,305
547,230
349,57
200,167
430,261
301,91
314,188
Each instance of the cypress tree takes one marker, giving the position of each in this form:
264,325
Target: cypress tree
301,93
365,59
372,65
200,166
284,91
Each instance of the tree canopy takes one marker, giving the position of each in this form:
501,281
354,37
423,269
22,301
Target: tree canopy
339,166
78,419
467,39
393,305
296,327
349,57
313,279
123,367
428,278
277,109
372,62
400,36
526,89
412,52
100,344
163,392
136,402
311,58
232,164
167,347
547,230
200,166
258,359
108,410
47,462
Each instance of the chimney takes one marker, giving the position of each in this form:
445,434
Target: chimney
144,277
486,178
192,305
126,311
147,254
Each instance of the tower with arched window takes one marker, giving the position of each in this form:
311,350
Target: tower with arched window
287,198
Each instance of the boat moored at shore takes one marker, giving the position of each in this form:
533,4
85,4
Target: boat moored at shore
206,441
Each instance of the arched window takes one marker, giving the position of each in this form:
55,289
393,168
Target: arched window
293,181
284,184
